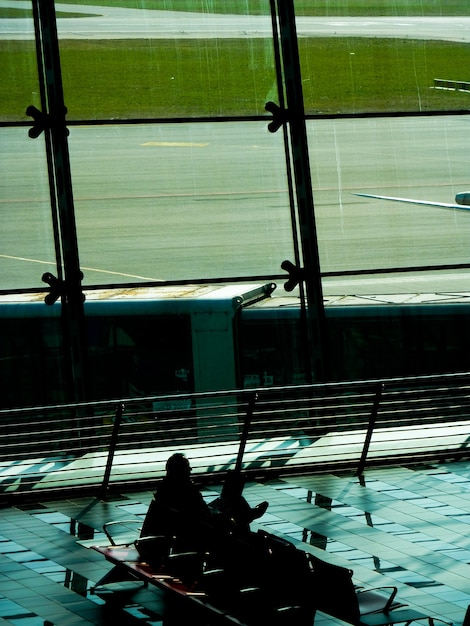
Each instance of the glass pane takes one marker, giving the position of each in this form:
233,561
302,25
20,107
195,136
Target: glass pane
386,58
422,159
145,63
18,66
27,249
180,201
27,242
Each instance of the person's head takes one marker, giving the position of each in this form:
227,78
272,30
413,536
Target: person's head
178,468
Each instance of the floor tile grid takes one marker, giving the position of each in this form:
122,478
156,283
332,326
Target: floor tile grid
437,483
30,578
354,538
449,522
277,499
444,590
347,552
409,514
36,530
42,599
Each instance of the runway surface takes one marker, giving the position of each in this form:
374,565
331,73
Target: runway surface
116,23
188,201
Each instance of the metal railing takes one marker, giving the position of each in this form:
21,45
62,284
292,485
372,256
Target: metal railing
313,428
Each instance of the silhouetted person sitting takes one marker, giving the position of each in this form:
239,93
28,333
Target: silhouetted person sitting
213,549
178,508
232,504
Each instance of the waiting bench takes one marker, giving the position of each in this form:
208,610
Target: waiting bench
337,596
260,575
129,566
238,592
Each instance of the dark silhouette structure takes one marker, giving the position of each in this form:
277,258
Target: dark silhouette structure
178,509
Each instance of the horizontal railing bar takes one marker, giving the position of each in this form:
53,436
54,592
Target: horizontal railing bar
351,385
292,427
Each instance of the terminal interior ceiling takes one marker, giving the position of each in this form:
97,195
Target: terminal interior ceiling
242,166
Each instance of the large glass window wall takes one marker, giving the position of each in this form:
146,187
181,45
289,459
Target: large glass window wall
386,92
175,176
180,201
414,158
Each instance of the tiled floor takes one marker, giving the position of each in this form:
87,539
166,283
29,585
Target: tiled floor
403,526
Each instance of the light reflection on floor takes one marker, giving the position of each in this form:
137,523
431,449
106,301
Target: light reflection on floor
402,525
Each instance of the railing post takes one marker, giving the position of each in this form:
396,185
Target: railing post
246,428
111,451
370,428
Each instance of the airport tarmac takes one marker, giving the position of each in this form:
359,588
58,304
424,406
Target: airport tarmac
187,201
122,23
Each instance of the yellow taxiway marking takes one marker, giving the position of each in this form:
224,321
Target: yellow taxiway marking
176,144
86,269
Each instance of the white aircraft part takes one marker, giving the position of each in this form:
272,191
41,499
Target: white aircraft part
462,206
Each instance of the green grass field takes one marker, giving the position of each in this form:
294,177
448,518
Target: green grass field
127,79
192,78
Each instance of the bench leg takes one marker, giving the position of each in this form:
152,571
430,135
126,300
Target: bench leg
118,574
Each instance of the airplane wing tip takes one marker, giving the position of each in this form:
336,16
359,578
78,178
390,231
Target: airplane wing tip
441,205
